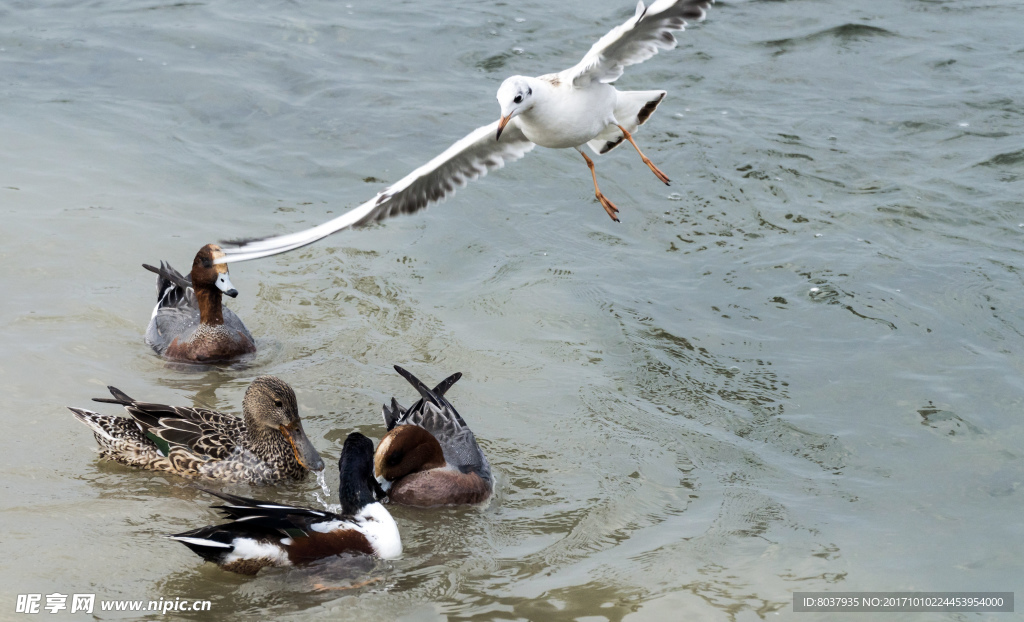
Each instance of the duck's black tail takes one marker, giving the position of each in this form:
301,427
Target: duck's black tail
435,396
211,543
170,284
120,397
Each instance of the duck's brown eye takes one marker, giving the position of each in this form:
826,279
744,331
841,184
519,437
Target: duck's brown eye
278,403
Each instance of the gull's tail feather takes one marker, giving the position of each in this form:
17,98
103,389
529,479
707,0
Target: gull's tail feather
632,109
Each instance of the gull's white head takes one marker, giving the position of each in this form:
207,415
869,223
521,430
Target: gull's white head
515,96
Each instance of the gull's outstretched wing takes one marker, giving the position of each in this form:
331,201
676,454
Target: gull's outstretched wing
472,157
640,38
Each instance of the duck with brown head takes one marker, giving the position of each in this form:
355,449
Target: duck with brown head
429,455
189,322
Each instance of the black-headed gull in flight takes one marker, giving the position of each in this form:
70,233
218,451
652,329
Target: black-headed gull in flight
559,110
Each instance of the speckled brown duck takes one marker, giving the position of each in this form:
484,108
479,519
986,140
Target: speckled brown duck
267,444
189,322
429,455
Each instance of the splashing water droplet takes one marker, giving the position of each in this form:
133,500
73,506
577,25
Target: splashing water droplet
321,478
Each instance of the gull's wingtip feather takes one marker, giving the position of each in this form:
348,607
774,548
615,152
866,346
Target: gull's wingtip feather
256,248
242,241
467,159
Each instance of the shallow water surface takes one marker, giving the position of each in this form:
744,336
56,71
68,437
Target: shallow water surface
796,369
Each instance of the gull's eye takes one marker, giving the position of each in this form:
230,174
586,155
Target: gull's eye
518,99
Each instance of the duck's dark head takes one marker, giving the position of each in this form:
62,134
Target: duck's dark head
207,273
404,450
358,487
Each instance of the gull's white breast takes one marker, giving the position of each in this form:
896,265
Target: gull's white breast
564,116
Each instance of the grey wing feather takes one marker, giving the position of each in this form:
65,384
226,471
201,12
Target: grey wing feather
639,38
392,415
169,323
177,312
232,321
441,422
468,159
172,289
463,452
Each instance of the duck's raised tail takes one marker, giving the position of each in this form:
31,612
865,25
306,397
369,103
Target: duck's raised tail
171,286
120,397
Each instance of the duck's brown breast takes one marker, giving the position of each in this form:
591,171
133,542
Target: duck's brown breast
440,487
210,344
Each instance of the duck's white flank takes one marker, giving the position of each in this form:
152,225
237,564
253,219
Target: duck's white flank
247,548
381,530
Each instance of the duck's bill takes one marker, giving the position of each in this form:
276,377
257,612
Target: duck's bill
305,453
224,285
378,491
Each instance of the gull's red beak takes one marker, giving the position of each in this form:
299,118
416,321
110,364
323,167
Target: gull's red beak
501,125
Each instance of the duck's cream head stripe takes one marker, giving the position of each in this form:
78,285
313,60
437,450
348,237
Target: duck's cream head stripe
381,454
219,259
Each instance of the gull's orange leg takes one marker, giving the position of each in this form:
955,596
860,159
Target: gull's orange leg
605,203
654,169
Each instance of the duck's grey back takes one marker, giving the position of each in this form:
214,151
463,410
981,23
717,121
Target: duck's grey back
456,439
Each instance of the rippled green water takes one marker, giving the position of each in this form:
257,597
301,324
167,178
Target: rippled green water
797,369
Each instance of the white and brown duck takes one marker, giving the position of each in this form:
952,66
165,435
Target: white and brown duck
429,455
